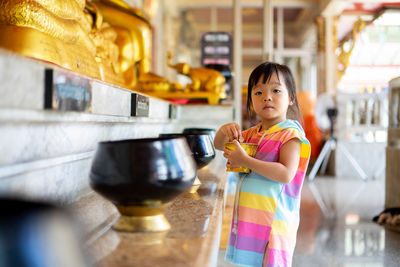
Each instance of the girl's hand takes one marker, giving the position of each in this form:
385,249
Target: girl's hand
231,131
227,133
235,157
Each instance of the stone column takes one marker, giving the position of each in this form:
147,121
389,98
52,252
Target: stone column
237,60
268,31
330,59
392,194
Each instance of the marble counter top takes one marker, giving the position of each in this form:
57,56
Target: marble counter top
193,239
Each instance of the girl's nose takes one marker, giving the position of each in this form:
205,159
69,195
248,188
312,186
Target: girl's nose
267,98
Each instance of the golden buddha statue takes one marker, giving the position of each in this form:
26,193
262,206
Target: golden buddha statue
68,33
134,43
104,39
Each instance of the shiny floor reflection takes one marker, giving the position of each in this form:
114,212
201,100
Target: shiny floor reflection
336,227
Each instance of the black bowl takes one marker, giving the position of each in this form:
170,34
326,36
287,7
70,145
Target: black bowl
142,172
208,131
201,146
39,234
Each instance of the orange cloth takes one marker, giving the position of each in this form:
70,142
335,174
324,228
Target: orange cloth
313,134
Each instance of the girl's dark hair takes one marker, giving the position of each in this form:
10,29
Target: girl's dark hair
266,70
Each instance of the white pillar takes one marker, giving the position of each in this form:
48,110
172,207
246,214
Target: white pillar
268,30
237,60
159,53
279,37
306,64
214,19
280,30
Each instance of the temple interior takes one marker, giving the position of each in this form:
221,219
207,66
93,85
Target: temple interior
109,111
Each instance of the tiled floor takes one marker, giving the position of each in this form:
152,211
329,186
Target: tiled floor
336,227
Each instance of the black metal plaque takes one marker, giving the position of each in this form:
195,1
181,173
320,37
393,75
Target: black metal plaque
67,91
172,111
139,105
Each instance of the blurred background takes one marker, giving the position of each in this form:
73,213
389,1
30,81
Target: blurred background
75,73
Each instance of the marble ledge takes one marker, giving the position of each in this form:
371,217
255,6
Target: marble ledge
8,115
24,87
192,241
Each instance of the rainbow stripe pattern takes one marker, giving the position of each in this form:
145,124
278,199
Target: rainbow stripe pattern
268,211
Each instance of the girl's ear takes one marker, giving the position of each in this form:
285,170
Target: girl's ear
291,101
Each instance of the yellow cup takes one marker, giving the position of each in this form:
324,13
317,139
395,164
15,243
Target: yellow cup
250,149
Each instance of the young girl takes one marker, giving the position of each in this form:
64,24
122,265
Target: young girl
267,203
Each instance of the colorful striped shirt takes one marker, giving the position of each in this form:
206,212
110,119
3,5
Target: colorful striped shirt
266,216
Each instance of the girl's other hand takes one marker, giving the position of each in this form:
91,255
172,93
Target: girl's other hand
232,131
235,157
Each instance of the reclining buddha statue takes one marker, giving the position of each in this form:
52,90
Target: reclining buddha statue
104,39
68,33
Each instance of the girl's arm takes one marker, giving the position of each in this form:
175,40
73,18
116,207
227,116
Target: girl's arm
227,133
282,171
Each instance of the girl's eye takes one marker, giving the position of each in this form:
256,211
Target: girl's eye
257,93
276,90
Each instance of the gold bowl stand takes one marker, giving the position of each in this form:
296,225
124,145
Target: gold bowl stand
196,184
142,219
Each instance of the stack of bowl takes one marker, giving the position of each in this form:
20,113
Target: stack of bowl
202,150
209,131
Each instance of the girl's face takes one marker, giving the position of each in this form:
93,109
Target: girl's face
271,99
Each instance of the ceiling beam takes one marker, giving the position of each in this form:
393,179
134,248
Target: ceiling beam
244,3
332,8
